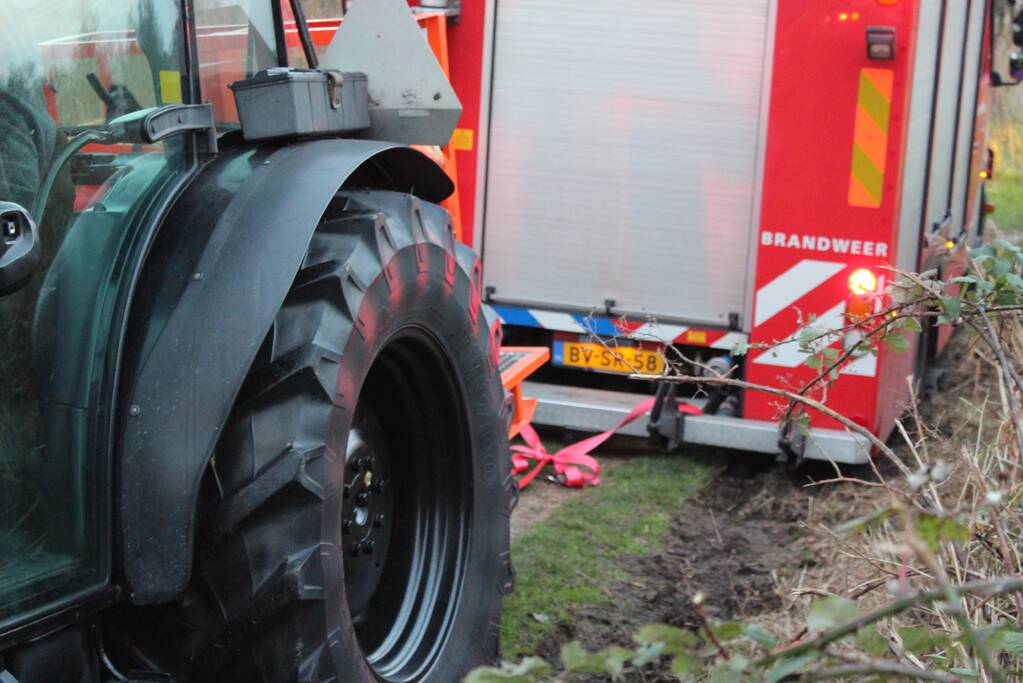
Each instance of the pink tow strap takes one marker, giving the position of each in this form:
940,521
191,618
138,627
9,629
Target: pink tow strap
573,464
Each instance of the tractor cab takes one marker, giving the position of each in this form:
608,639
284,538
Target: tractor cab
74,186
78,178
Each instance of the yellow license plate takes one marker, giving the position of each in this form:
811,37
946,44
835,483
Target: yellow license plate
593,356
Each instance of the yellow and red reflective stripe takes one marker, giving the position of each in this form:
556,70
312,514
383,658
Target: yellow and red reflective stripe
870,138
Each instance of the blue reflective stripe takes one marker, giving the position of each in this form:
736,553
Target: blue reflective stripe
510,315
558,353
597,325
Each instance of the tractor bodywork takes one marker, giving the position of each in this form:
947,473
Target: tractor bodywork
161,261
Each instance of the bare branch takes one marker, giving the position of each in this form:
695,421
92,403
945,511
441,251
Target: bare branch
999,586
877,667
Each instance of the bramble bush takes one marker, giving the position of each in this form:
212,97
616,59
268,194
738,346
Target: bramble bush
946,537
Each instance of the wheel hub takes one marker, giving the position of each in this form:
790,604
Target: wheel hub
406,508
366,513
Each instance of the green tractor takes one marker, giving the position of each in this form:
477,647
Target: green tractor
251,420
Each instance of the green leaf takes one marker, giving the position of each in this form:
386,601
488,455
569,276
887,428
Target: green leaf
830,353
726,630
680,665
1014,280
861,524
911,325
529,670
814,362
964,280
615,659
917,639
1009,641
830,612
950,308
808,336
740,348
647,653
721,672
675,640
787,667
896,342
871,641
933,529
802,422
968,673
738,663
576,659
760,635
1006,297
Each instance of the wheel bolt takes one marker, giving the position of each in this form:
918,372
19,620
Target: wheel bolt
346,527
378,521
367,547
362,498
353,549
377,487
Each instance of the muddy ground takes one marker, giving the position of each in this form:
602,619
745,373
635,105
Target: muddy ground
752,543
717,546
743,542
756,542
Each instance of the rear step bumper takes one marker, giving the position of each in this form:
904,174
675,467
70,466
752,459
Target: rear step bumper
595,410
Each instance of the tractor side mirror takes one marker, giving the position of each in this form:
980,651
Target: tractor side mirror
20,248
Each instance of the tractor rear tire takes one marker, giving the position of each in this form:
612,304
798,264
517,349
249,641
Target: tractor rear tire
355,518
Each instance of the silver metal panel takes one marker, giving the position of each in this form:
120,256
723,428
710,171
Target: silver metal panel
410,98
595,410
758,181
586,410
914,175
967,117
943,144
623,147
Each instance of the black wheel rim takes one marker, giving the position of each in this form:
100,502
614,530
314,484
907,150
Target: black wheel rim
406,506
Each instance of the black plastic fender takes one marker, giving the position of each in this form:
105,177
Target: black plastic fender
217,274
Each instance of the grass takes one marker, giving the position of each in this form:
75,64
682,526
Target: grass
1005,191
571,559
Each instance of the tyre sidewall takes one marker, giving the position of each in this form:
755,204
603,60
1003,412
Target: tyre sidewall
416,290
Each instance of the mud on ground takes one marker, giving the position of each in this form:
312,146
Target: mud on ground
756,542
753,544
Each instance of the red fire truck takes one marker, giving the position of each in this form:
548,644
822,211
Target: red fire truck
714,172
